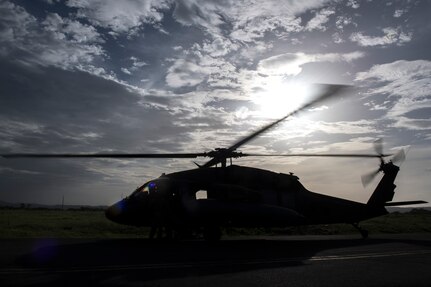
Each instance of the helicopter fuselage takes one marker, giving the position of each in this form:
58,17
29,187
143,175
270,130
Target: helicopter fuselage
234,196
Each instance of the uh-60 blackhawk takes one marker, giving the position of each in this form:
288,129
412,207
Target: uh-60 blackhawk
240,196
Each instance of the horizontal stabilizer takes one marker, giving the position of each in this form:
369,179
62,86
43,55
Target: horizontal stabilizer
398,203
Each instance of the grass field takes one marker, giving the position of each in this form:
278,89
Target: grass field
45,223
29,223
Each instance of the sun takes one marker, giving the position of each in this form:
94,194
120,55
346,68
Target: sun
277,97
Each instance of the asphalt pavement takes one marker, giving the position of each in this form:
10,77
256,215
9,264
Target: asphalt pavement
381,260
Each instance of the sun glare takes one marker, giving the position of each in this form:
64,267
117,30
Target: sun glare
277,98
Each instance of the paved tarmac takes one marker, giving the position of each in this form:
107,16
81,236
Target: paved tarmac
382,260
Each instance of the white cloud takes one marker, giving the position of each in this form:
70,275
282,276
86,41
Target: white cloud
220,46
343,127
343,21
254,50
119,16
360,127
54,41
399,12
401,70
321,18
185,74
413,124
199,13
135,66
291,64
136,63
19,171
203,64
407,85
256,28
284,64
65,29
249,19
126,71
9,129
391,36
15,26
336,37
353,3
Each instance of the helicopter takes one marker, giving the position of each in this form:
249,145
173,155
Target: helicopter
220,194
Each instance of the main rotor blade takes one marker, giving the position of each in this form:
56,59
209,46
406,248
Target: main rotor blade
103,155
321,155
328,92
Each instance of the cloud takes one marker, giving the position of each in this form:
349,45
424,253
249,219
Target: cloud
413,124
126,71
256,28
15,22
202,64
351,127
136,63
185,74
406,84
249,20
401,70
353,4
53,41
218,47
321,18
400,12
336,37
66,29
308,127
119,16
290,64
343,21
56,110
391,36
199,13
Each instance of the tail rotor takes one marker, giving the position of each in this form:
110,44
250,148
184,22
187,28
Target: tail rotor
399,157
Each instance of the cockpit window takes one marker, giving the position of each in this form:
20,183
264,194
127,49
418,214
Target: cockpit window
147,188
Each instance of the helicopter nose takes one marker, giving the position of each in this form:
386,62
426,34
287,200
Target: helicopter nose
115,211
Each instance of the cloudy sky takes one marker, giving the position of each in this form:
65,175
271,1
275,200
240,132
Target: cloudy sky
190,76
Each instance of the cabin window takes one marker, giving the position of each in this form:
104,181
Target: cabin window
201,194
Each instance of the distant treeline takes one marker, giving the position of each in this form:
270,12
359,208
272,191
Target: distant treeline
72,208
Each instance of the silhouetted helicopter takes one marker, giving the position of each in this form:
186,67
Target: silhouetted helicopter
241,196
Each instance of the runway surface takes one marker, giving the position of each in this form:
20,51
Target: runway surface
382,260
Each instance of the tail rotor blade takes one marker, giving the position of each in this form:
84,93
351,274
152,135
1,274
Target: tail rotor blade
368,178
399,157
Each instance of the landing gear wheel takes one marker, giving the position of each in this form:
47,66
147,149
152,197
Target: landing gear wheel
212,233
364,233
